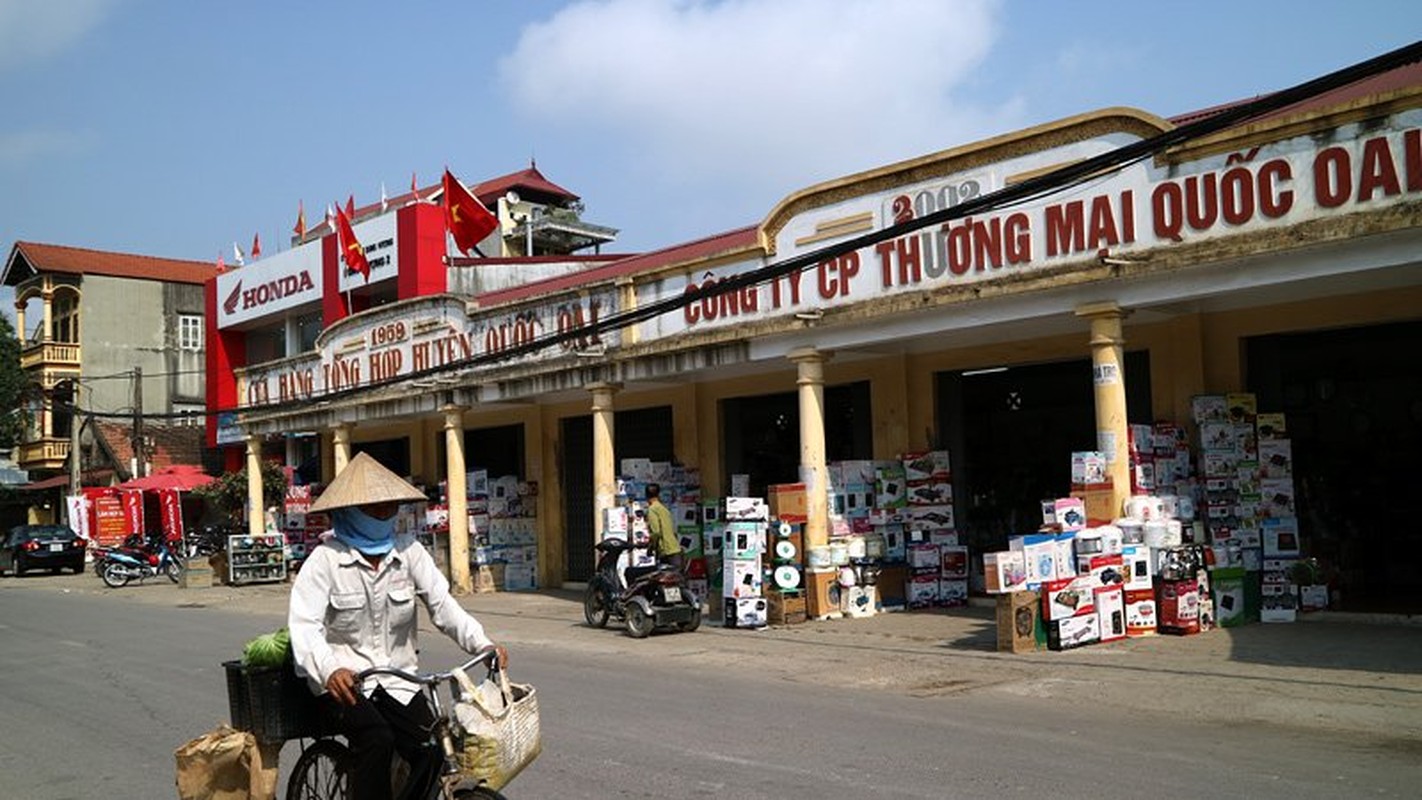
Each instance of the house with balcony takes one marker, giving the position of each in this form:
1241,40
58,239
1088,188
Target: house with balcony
104,336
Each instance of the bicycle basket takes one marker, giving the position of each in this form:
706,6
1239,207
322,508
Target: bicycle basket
271,702
509,739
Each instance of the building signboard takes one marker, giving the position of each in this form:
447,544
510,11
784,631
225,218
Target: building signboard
377,235
424,336
1365,166
281,282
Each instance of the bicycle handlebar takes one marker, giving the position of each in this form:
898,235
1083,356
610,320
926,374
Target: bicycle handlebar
430,678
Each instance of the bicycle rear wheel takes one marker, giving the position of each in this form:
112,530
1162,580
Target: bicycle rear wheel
321,773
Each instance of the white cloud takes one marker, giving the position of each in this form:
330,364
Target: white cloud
766,94
36,29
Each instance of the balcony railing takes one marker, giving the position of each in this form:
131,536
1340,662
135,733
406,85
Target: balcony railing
43,354
44,454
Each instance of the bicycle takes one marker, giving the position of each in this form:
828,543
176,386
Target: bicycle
320,773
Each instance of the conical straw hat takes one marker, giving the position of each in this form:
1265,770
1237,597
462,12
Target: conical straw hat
365,481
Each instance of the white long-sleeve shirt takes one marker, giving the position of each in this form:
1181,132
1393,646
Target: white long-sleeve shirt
346,613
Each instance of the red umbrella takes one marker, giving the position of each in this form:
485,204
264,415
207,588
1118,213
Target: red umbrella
183,477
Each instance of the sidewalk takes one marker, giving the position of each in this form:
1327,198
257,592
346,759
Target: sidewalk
1326,671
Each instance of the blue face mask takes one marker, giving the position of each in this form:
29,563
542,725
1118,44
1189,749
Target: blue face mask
374,537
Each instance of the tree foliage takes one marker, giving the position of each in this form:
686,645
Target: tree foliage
228,494
15,388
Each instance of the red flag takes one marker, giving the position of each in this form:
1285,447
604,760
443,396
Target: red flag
466,218
300,229
256,247
221,267
350,208
414,187
351,250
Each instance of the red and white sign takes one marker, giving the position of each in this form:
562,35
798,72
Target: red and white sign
284,281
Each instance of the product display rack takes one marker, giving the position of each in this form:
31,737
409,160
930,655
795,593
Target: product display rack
256,559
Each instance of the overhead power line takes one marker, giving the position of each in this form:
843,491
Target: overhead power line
1031,189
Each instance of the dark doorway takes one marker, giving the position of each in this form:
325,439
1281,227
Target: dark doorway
638,433
762,433
498,450
1352,404
393,454
1011,432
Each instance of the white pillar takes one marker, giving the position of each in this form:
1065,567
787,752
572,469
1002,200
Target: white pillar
814,473
341,444
256,513
456,481
1109,377
604,464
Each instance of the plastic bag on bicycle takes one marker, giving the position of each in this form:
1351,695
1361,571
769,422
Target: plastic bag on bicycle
497,744
475,695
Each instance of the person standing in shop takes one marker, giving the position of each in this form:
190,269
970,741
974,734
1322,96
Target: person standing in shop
663,531
353,607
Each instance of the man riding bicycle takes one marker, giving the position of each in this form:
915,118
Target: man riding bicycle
352,608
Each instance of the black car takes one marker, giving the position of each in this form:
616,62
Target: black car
51,547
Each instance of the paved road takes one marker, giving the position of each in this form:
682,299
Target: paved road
824,710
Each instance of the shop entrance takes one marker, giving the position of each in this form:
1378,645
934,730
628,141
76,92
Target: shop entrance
639,433
762,434
1352,401
393,454
1011,431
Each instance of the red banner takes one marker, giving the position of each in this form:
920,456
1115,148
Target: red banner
110,526
170,501
132,500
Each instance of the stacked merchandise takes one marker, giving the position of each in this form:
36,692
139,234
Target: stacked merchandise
503,530
785,581
1229,464
302,528
745,521
1279,525
681,493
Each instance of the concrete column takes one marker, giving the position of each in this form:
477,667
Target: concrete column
341,446
256,514
48,333
1109,376
20,332
604,455
457,481
814,473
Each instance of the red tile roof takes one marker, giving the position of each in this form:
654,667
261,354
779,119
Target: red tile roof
171,444
1390,81
710,246
80,261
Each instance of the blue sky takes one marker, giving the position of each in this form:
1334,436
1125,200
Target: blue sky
175,128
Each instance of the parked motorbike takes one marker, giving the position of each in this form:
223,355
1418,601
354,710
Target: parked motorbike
122,565
132,543
649,598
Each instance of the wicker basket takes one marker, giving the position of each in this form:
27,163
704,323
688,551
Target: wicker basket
271,702
516,738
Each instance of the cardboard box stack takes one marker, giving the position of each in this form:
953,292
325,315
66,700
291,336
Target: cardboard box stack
503,529
745,521
681,493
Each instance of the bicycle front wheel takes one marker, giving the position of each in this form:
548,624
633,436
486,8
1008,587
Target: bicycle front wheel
478,793
321,773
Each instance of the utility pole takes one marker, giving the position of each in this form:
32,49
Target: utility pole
138,470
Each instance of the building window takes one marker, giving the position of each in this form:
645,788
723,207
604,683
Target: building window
190,332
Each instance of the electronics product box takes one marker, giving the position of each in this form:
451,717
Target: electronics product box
858,601
1104,570
1039,555
931,517
934,464
953,593
1140,613
1313,597
1270,426
955,562
1281,537
1088,468
744,508
1004,572
745,612
929,493
743,539
924,556
922,591
1073,632
1111,612
1227,584
1071,513
788,502
1209,408
892,585
1178,607
785,608
1067,597
1279,603
822,594
1096,499
1065,554
742,577
1018,616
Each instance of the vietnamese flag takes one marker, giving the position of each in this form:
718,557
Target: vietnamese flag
466,218
256,246
351,250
